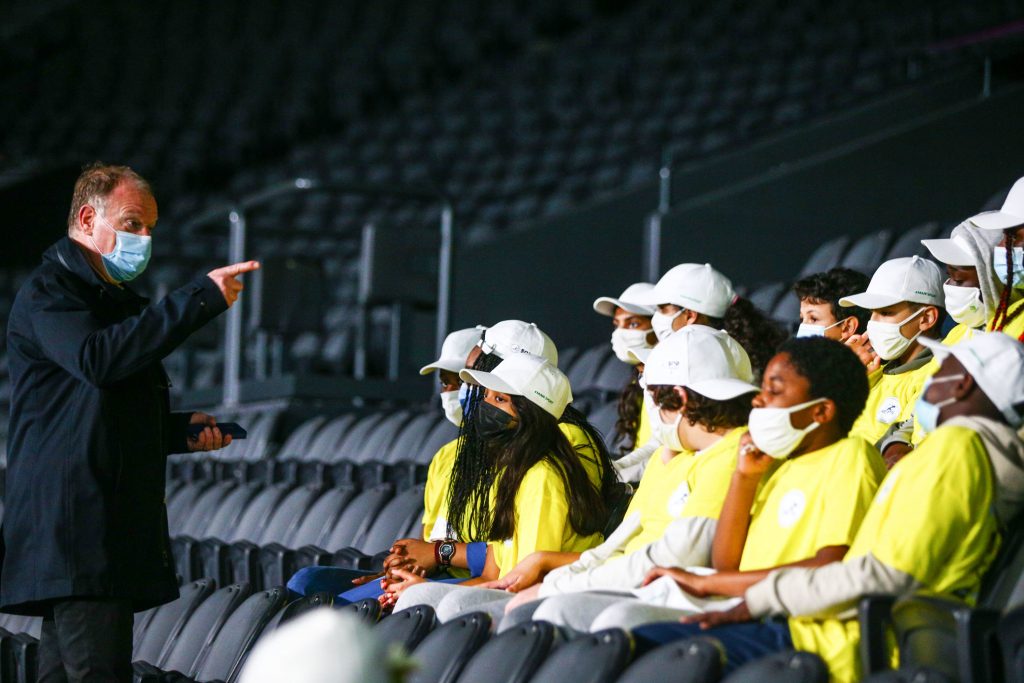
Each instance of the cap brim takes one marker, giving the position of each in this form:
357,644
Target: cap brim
640,354
949,252
997,220
869,300
722,389
450,364
488,380
606,305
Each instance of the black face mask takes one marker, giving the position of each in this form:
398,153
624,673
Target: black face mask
491,422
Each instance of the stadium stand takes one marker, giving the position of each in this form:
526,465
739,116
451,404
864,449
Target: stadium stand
519,111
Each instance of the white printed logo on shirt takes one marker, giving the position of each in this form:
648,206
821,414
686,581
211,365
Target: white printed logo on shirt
888,411
677,501
791,508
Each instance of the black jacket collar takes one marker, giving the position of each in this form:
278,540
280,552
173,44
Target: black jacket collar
69,255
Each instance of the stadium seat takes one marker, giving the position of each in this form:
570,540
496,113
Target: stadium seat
516,653
406,628
223,521
368,610
694,660
183,654
168,620
782,667
908,242
443,654
593,658
350,528
224,657
1011,644
827,256
868,252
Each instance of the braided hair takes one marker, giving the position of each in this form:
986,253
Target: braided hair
1002,316
482,463
630,404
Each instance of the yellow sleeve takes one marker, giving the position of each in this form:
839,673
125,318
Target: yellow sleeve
932,516
435,491
709,481
851,488
648,482
542,518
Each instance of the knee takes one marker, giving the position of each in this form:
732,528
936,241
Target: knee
422,594
459,602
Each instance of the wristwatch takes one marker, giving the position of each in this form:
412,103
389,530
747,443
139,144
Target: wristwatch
444,551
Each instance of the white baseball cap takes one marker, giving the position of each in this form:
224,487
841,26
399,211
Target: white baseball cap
704,359
954,251
510,337
529,376
1010,216
606,305
694,287
323,646
996,362
912,279
455,350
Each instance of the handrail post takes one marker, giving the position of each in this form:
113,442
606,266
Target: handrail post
233,338
444,273
652,239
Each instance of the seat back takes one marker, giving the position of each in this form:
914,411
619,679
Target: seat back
322,445
783,667
443,654
322,516
223,659
167,621
592,658
350,443
407,445
197,519
299,441
357,518
583,373
868,252
287,516
406,628
1003,585
226,516
826,256
442,433
378,440
254,519
367,610
184,652
396,516
1011,644
693,660
516,653
183,500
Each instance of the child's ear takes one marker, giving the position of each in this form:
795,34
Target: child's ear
930,318
824,412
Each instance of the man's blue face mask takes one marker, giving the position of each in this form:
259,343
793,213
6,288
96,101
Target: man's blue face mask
130,255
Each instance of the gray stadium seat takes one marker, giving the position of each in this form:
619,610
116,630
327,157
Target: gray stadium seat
584,371
443,654
168,620
827,256
694,660
406,628
444,432
868,252
592,658
302,438
407,445
223,659
765,297
783,667
908,242
516,653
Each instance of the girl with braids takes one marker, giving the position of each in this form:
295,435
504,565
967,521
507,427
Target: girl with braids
1008,261
632,333
534,490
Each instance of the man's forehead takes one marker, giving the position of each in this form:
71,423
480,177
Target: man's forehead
127,197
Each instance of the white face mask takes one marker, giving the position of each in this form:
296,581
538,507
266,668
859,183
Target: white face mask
668,433
808,330
964,305
452,407
886,338
774,434
624,340
662,324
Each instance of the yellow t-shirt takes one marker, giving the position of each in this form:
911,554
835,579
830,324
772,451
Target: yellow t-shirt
1015,327
669,490
890,400
542,520
812,501
931,518
643,429
435,492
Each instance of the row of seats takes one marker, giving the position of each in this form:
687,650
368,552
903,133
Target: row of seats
263,534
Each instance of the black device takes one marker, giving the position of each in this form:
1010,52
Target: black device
232,429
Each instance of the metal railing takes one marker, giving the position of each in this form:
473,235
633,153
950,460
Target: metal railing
235,212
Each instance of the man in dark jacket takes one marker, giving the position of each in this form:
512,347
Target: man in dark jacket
85,529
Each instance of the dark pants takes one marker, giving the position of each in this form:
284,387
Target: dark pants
87,641
742,642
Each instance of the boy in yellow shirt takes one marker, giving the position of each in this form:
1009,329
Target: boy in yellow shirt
905,298
933,527
1008,260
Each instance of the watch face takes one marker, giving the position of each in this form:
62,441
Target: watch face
447,550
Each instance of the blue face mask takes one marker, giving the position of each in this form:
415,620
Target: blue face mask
927,413
464,396
130,255
999,265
